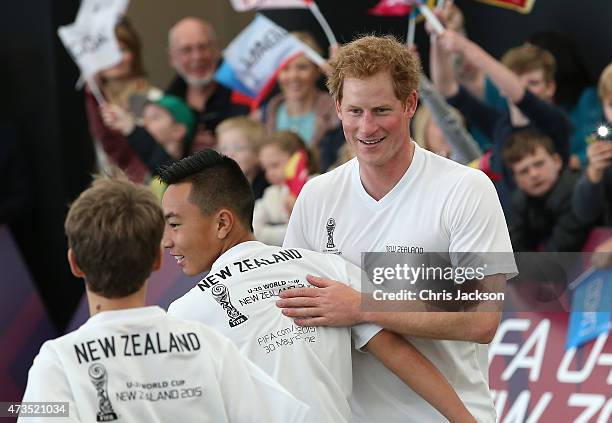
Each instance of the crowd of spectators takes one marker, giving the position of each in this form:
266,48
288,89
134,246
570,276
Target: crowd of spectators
549,153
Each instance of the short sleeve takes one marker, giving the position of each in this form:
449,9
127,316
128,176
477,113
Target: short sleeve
477,226
250,395
47,382
363,332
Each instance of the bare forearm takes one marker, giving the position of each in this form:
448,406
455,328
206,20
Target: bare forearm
465,149
456,326
416,371
506,81
442,73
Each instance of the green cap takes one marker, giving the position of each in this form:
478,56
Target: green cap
179,111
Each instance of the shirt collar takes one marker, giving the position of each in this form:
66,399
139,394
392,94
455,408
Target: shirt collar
138,313
239,250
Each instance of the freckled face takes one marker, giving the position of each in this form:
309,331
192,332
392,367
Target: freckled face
375,121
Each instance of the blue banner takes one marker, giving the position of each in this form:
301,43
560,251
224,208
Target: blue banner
592,296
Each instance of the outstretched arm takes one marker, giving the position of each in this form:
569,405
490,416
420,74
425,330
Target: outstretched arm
506,81
443,76
416,371
465,149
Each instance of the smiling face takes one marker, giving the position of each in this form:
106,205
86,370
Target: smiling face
193,51
537,173
298,78
375,121
190,236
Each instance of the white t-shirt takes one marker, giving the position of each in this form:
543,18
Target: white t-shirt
437,206
139,364
238,297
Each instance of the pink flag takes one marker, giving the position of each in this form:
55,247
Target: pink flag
392,8
244,5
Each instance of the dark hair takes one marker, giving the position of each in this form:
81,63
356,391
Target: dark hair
523,143
217,183
114,229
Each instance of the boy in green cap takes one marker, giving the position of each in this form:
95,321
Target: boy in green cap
170,121
167,128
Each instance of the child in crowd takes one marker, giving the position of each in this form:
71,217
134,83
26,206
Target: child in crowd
604,89
171,123
525,77
593,194
168,120
272,211
134,363
543,218
240,138
594,190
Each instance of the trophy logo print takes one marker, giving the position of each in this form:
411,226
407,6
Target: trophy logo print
221,295
99,378
331,225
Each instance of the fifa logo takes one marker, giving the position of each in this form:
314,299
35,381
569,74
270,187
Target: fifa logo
99,378
331,225
221,295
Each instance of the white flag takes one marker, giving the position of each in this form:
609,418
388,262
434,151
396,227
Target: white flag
99,11
91,40
260,50
92,49
244,5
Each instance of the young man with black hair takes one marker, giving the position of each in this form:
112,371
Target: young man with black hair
133,363
208,208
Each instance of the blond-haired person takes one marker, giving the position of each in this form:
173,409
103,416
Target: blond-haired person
301,106
240,138
394,193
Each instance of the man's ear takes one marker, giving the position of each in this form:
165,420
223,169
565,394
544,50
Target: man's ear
158,259
558,161
225,221
339,109
551,89
74,266
171,60
411,103
217,52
